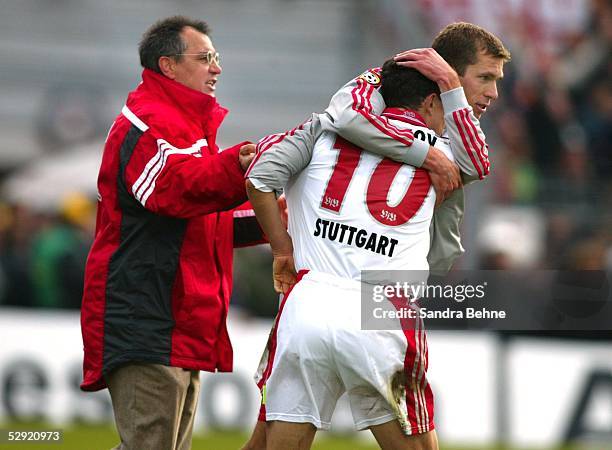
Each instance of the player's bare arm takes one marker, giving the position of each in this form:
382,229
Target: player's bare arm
269,217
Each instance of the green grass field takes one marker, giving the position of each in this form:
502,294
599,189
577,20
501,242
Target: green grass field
104,437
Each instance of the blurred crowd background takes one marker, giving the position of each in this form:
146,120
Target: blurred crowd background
69,64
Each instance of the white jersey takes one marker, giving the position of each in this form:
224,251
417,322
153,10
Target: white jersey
351,210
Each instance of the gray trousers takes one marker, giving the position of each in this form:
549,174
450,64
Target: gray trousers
154,406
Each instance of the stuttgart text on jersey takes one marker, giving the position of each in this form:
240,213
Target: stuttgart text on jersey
358,237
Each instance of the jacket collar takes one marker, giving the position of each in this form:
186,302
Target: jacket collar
405,115
192,102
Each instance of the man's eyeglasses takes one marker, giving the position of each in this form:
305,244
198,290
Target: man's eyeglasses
208,57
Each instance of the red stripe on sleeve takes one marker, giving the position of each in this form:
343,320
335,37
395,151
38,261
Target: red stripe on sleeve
263,142
481,147
385,122
268,141
458,122
404,136
464,116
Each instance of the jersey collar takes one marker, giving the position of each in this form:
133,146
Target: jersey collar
405,115
191,101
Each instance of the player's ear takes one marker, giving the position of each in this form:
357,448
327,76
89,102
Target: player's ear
432,102
167,66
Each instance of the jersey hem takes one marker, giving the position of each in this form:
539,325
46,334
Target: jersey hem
367,423
298,418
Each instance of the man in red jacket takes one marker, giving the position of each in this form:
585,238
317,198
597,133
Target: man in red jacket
159,274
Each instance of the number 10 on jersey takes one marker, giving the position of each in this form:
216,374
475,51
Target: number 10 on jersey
378,186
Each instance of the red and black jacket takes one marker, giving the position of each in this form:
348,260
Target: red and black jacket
159,274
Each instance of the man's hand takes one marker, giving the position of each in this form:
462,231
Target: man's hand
269,216
283,273
432,65
246,155
443,173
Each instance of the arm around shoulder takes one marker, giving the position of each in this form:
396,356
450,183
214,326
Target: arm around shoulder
355,112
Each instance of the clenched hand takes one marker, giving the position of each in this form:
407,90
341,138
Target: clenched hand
246,155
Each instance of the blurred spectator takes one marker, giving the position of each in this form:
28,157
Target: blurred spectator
59,252
588,254
515,173
597,117
15,255
559,233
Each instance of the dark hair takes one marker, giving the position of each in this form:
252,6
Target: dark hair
459,44
163,38
404,87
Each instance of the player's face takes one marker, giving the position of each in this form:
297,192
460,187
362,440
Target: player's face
193,70
480,82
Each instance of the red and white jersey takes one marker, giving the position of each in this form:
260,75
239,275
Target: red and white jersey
351,210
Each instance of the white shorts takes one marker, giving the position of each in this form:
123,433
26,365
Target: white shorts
317,351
